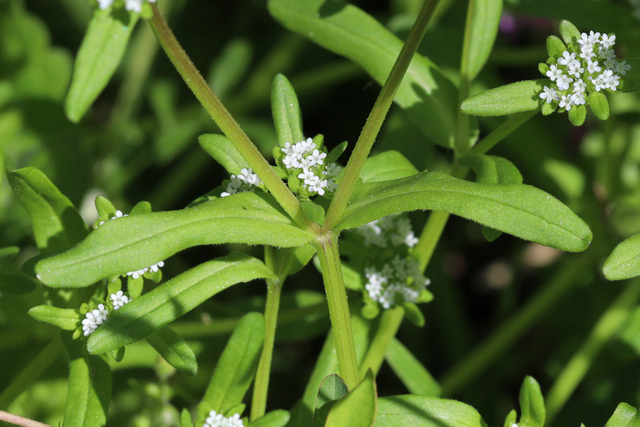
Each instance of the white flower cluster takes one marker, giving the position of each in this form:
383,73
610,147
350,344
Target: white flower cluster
93,319
117,215
218,420
242,182
399,281
138,273
119,299
316,176
595,67
131,5
392,229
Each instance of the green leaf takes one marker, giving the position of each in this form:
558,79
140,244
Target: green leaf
185,418
277,418
314,211
492,169
532,410
135,242
569,32
230,66
172,299
512,98
598,103
555,46
224,152
410,371
624,261
422,411
521,210
174,350
89,388
511,418
577,115
568,177
358,408
386,166
413,313
287,116
64,318
56,222
100,53
236,367
625,415
331,389
295,260
427,96
484,22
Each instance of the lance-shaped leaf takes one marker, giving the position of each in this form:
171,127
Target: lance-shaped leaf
358,408
277,418
624,261
236,367
89,388
509,99
425,93
224,152
56,222
285,107
484,21
386,166
135,242
64,318
174,350
144,315
331,390
99,55
532,409
520,210
422,411
625,415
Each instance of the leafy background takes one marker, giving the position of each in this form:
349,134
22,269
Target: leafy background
139,142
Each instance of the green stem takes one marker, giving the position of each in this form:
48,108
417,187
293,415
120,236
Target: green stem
226,122
327,248
261,383
377,116
575,370
31,372
500,341
430,237
461,138
502,131
387,329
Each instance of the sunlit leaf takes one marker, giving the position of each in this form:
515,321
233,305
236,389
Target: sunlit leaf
520,210
135,242
100,53
146,314
483,29
236,367
422,411
64,318
56,222
174,350
357,408
624,261
509,99
287,116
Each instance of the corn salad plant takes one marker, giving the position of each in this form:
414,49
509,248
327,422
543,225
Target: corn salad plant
143,213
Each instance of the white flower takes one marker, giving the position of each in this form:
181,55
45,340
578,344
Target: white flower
119,299
139,273
241,182
332,170
554,72
567,58
134,5
592,67
608,41
577,99
606,53
105,3
93,319
218,420
549,94
565,101
563,82
579,86
622,67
